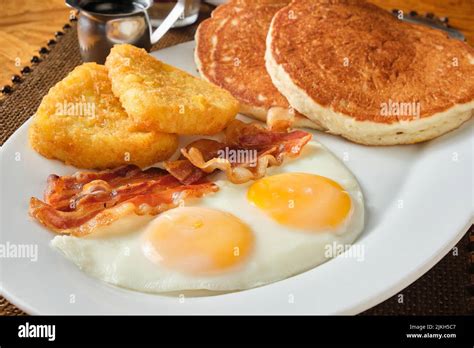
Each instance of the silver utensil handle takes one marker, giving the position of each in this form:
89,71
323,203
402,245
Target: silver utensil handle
172,17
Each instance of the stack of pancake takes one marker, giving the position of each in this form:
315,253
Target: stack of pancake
344,66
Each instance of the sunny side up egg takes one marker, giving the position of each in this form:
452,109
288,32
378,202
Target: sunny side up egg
241,237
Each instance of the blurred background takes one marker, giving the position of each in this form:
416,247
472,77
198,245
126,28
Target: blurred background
28,25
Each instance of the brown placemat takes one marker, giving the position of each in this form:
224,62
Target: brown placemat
444,290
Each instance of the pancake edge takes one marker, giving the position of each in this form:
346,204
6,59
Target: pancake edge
364,132
257,112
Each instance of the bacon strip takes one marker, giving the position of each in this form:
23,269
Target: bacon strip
83,202
269,148
60,190
184,170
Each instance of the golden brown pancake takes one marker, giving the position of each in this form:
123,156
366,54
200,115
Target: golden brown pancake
230,50
368,76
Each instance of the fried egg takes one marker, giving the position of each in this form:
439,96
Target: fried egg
241,237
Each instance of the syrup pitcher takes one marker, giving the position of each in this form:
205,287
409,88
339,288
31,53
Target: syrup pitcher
103,24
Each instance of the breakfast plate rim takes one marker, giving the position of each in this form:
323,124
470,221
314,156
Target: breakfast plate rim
405,279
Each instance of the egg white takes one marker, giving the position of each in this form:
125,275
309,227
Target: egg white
115,256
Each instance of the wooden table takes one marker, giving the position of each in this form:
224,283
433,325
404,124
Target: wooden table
27,25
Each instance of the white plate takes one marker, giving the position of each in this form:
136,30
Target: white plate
419,202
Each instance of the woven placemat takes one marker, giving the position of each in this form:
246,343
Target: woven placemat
444,290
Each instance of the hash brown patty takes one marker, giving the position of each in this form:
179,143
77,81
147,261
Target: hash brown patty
81,123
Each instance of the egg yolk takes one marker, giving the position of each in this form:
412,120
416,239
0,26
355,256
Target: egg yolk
199,241
304,201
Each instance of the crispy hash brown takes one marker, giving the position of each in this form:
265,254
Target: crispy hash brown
163,98
82,123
